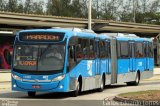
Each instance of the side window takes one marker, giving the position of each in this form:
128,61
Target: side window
124,49
131,49
72,53
102,49
108,50
109,45
145,48
139,50
79,50
150,50
92,49
85,48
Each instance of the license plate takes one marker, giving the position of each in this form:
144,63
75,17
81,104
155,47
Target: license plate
36,86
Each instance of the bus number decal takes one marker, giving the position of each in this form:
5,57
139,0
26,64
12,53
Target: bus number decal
139,63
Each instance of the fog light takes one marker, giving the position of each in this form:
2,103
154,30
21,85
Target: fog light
14,86
61,86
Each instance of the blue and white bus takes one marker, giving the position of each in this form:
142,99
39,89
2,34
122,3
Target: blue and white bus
75,60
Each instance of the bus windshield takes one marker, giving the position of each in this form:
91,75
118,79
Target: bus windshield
39,57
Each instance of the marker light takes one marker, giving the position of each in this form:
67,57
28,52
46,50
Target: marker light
16,77
59,78
14,86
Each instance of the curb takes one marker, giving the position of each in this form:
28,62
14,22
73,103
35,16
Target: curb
5,71
5,77
5,81
4,88
155,77
136,102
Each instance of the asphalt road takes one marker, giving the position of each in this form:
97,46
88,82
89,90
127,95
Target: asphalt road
89,98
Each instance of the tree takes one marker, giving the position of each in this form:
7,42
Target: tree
28,6
20,8
74,8
2,5
54,7
109,9
144,5
38,8
154,6
12,5
125,13
77,9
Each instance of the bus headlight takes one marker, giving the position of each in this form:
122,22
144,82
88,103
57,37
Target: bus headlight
59,78
16,77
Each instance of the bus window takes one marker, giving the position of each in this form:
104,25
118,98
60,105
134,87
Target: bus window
107,49
145,47
72,53
86,48
92,49
150,50
123,50
79,50
102,49
131,50
139,50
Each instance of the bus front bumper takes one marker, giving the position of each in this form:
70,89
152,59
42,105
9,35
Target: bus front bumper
57,86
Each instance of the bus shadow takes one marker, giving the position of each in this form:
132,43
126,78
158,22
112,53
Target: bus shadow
22,95
61,95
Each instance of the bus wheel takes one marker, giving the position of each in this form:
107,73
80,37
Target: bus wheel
136,82
76,92
31,94
101,84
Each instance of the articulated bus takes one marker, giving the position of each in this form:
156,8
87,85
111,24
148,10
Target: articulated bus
75,60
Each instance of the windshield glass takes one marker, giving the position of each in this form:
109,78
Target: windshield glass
39,57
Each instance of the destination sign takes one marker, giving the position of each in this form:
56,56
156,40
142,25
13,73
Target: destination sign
41,37
27,63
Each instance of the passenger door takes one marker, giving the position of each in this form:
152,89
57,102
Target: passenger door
132,57
97,59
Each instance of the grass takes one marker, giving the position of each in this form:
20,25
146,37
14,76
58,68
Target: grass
142,95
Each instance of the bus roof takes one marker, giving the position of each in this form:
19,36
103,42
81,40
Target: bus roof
123,37
69,32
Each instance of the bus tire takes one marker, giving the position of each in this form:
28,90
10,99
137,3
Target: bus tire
31,94
102,84
136,82
76,92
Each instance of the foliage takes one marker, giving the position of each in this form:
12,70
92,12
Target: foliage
145,11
